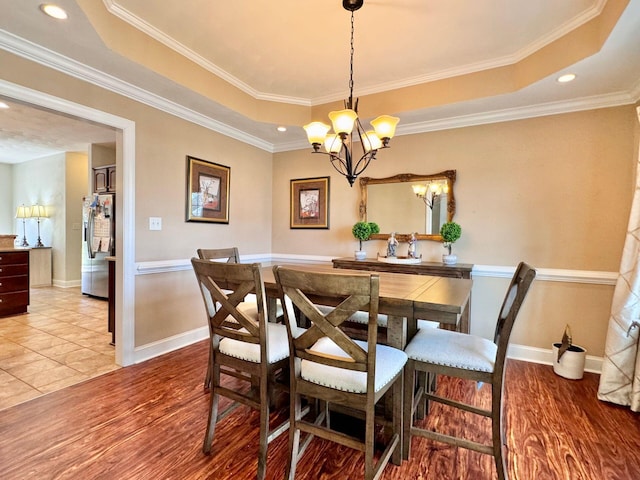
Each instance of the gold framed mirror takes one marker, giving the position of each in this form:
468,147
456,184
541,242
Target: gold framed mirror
408,203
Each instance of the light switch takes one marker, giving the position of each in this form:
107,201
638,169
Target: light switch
155,223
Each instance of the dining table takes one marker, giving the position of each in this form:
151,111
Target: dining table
404,298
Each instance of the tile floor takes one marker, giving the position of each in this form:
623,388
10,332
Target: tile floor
62,340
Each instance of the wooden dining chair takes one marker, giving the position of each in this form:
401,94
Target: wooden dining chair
449,353
231,255
243,345
327,365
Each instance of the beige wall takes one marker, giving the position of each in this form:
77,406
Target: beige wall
554,191
77,185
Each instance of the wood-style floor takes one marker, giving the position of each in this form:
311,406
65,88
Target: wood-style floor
147,422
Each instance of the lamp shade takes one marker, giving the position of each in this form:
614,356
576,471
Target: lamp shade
38,211
419,190
23,212
333,143
316,132
385,126
343,120
371,141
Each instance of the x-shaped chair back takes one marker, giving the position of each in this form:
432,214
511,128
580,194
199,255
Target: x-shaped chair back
351,293
227,284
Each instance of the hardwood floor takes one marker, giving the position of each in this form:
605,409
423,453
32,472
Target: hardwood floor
147,422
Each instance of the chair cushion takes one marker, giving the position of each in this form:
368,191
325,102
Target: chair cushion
358,317
428,324
452,349
278,345
389,361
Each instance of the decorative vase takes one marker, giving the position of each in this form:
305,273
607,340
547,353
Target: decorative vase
360,254
449,259
571,364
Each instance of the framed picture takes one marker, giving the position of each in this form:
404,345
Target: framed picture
207,191
310,203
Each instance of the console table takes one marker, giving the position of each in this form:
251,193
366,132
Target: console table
459,270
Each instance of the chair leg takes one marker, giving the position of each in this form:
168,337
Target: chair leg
407,410
211,424
264,437
295,414
369,439
497,432
396,457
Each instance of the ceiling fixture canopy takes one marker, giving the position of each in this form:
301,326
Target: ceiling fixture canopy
348,130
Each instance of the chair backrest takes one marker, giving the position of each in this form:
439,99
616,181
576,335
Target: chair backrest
231,254
349,293
516,293
223,287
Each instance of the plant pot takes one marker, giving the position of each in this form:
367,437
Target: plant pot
571,363
360,254
449,259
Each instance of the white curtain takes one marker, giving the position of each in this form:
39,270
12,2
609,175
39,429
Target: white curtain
620,379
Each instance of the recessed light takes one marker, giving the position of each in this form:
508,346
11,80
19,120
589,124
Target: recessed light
566,78
3,105
282,128
54,11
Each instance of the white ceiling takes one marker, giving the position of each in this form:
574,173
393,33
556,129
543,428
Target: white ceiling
297,52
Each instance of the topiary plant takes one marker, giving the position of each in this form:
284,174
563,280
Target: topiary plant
362,231
450,232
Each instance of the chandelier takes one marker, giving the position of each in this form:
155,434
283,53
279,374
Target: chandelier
430,192
340,145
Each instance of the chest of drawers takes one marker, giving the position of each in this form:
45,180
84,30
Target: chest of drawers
14,282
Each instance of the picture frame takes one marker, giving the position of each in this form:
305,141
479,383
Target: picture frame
310,203
207,191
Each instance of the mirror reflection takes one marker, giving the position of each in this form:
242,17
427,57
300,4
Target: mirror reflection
407,203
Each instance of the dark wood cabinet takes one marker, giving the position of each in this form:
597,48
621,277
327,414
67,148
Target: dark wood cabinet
459,270
14,282
104,179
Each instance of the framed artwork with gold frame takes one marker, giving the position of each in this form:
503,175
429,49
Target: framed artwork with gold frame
310,203
207,191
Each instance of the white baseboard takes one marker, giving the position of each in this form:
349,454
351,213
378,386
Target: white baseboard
166,345
545,357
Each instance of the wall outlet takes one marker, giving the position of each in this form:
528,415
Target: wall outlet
155,223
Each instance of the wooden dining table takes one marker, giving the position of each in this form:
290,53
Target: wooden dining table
404,298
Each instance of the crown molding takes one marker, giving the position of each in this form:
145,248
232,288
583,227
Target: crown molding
66,65
48,58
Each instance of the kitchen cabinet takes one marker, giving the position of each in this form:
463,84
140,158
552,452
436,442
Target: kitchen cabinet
104,179
40,267
14,282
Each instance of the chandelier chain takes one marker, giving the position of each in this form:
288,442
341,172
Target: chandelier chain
351,64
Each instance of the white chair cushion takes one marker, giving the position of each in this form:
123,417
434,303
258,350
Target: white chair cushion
389,361
358,317
428,324
452,349
278,345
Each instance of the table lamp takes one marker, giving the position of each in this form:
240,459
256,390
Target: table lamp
23,213
38,211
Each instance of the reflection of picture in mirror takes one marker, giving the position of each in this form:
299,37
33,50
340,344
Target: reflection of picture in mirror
210,189
309,203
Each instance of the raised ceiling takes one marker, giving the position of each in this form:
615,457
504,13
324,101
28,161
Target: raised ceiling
242,68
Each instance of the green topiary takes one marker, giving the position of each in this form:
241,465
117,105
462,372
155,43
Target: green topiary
450,232
374,228
362,231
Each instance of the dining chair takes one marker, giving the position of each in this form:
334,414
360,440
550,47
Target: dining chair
329,366
449,353
244,345
231,255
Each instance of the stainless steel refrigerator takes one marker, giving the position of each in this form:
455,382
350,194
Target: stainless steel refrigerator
98,242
